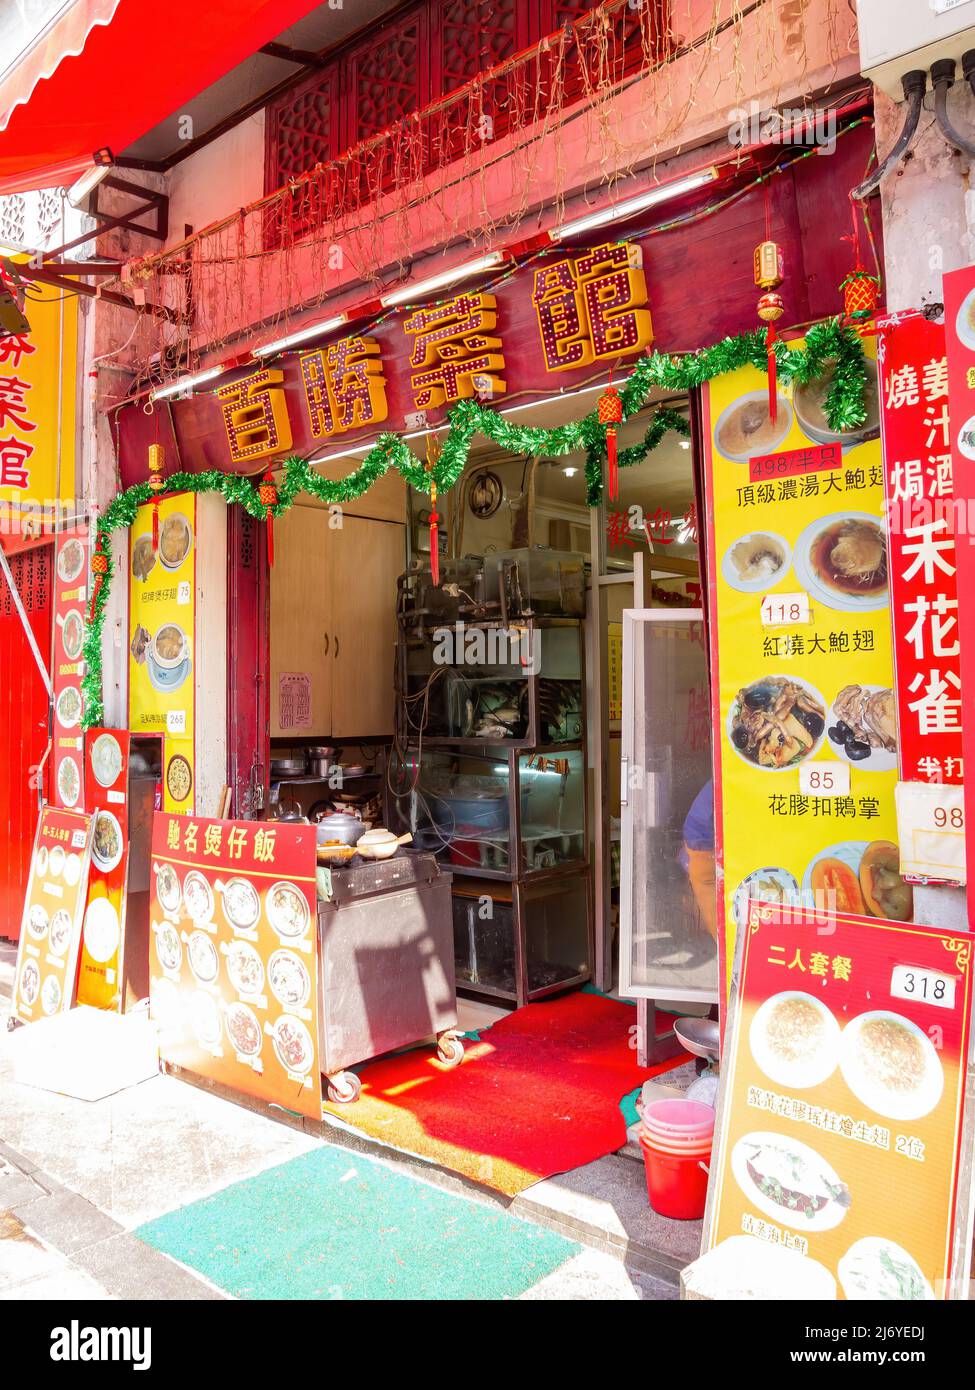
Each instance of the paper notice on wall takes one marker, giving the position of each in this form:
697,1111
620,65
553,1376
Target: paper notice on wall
931,831
294,700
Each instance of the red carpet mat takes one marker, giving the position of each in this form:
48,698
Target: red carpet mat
538,1095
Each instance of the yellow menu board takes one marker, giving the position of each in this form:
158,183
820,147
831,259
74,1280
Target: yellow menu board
802,666
162,654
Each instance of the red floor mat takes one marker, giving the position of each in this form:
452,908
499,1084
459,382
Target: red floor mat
538,1095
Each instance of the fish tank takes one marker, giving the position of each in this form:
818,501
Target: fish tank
519,942
535,582
496,814
519,684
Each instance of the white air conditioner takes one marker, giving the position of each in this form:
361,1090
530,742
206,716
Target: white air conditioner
898,35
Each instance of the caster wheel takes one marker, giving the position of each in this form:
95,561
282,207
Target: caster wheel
344,1088
450,1051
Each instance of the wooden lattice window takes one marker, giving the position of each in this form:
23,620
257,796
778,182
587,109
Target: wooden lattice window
433,48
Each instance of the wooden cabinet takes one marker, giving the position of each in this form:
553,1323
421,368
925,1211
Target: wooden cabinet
333,619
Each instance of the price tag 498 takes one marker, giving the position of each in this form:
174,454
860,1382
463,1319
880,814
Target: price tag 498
824,779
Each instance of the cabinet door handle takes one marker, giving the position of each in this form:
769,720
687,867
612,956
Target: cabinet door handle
336,640
326,644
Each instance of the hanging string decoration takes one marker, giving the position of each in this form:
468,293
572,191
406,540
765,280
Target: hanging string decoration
609,409
827,345
156,483
267,495
861,290
769,274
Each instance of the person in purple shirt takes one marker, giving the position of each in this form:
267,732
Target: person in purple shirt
698,855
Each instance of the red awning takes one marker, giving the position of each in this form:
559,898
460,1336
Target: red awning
104,72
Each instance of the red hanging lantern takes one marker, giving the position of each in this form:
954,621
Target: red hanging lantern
156,484
769,274
609,410
267,495
99,570
861,294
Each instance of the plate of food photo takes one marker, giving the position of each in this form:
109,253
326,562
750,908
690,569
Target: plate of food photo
777,722
842,561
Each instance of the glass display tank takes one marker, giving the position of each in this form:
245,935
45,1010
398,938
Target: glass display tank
501,813
518,684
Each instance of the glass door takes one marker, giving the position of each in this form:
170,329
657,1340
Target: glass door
668,900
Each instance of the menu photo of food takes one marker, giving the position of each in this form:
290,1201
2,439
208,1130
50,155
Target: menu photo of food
842,561
861,877
777,722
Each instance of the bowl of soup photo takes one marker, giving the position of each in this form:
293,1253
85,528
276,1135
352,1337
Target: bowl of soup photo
175,538
169,647
745,430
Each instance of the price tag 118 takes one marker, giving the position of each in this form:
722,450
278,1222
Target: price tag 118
785,610
824,779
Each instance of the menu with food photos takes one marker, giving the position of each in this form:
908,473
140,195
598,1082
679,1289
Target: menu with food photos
842,1099
234,955
50,932
103,937
801,655
67,784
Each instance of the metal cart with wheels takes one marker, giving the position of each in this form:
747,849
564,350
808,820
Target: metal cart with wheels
386,965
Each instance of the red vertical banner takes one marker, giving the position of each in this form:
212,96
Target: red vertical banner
959,292
66,775
921,547
106,796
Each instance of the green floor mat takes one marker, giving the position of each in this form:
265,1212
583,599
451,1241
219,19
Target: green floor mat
336,1225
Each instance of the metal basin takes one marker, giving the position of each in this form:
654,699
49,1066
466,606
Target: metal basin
699,1036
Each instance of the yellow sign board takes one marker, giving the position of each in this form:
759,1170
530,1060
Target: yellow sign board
38,379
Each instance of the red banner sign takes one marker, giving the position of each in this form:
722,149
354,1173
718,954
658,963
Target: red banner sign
921,547
234,955
959,292
843,1101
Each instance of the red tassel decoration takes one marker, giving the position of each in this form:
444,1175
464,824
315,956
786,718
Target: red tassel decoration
99,570
267,495
609,410
772,373
434,537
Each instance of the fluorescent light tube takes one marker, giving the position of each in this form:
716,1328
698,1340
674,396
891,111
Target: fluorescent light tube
79,191
407,294
617,212
185,383
302,335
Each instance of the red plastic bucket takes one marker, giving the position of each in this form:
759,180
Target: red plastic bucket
677,1185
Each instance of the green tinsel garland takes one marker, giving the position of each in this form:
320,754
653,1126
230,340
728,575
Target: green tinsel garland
827,344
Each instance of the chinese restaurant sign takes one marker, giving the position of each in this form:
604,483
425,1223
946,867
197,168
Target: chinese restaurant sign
959,292
37,408
921,541
577,312
843,1086
802,668
162,653
234,955
70,595
50,935
107,798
